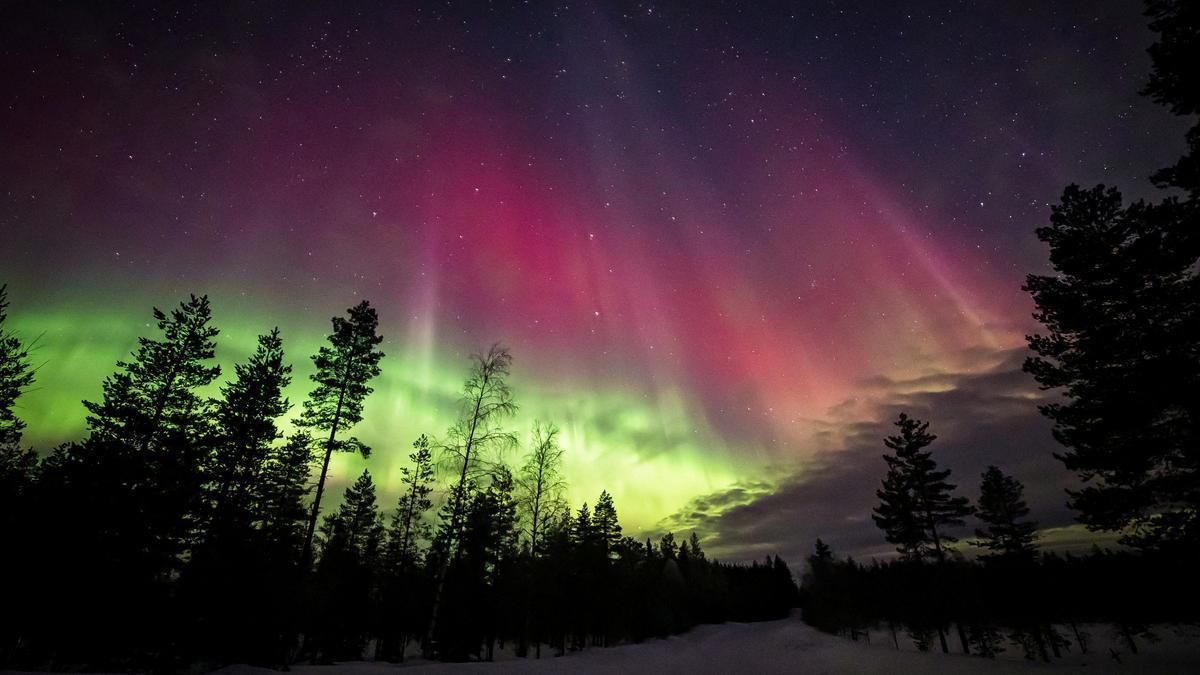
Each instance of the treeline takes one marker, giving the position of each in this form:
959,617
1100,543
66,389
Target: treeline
1010,595
186,530
1041,608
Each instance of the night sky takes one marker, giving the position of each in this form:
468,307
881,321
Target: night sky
726,242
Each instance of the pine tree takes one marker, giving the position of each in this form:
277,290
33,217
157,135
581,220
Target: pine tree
896,514
471,446
1121,314
408,526
1002,508
155,394
915,497
344,367
246,429
540,482
916,502
149,434
1172,82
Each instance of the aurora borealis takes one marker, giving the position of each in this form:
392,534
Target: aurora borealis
724,243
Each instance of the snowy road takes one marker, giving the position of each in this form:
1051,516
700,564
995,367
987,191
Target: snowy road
787,646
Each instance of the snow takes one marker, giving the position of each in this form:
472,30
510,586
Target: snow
790,646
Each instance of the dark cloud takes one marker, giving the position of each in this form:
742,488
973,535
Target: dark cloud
981,418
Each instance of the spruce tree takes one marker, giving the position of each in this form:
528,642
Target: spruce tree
697,552
16,374
1002,508
606,529
16,464
345,366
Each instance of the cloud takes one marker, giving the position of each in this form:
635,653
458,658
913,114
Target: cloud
982,416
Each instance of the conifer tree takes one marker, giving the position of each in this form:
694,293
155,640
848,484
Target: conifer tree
1002,508
694,541
149,434
246,429
408,527
344,368
346,575
1121,314
606,529
16,464
155,393
280,493
16,374
402,551
915,494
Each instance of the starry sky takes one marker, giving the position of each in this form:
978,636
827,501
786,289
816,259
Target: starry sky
726,242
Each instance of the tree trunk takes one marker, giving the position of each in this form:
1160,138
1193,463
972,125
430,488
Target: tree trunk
962,638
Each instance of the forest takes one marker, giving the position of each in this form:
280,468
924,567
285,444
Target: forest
187,529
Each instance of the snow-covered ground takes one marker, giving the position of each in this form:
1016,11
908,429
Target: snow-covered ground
790,646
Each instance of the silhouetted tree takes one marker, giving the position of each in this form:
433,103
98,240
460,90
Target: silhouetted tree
344,367
1172,83
229,578
16,373
345,575
246,429
606,528
1002,508
539,482
916,501
915,494
402,551
1121,314
471,447
17,466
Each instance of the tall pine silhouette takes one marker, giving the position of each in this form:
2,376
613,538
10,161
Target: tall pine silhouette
345,366
916,502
